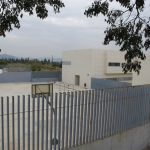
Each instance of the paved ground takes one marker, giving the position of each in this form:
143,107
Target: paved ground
15,89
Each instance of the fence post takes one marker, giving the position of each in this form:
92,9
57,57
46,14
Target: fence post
18,122
13,132
2,123
23,117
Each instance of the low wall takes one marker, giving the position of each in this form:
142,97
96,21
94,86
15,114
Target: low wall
37,76
97,83
137,138
8,77
45,79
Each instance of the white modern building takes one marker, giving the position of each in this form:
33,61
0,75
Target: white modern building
79,66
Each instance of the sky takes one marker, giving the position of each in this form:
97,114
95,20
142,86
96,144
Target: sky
68,30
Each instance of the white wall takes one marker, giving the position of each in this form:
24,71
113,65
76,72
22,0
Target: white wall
95,63
144,76
80,65
134,139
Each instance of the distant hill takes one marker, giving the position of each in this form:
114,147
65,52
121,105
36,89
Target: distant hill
7,56
41,58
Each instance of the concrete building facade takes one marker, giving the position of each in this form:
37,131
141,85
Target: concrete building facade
79,66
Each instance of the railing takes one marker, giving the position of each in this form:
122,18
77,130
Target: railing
79,117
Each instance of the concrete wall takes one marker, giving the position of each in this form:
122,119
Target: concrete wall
7,77
134,139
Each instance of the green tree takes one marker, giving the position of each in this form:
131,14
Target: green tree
127,27
11,10
3,63
36,65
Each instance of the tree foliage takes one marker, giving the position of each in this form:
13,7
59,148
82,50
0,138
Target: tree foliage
127,28
36,65
3,62
10,10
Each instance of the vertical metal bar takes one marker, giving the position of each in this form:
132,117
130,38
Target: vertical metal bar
148,102
18,122
106,113
115,111
55,121
38,106
67,119
81,117
141,116
28,122
100,115
23,124
94,117
145,91
135,106
97,114
120,109
123,109
130,109
74,122
91,120
59,126
78,117
109,112
42,131
2,123
46,135
88,117
126,109
103,112
13,132
71,119
147,98
85,111
112,112
63,123
8,123
51,122
33,121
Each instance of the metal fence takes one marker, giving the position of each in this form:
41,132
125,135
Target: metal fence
16,68
73,118
45,74
97,83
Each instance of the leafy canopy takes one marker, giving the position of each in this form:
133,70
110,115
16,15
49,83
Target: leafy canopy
127,28
10,10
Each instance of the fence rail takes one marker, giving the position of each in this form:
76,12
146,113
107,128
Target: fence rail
79,117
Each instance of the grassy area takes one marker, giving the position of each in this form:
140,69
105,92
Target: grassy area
38,66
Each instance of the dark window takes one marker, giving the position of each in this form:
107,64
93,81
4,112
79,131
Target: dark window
113,64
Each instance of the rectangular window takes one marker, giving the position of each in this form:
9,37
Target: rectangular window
114,64
66,62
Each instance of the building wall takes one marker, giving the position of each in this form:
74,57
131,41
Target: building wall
91,63
144,76
80,65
